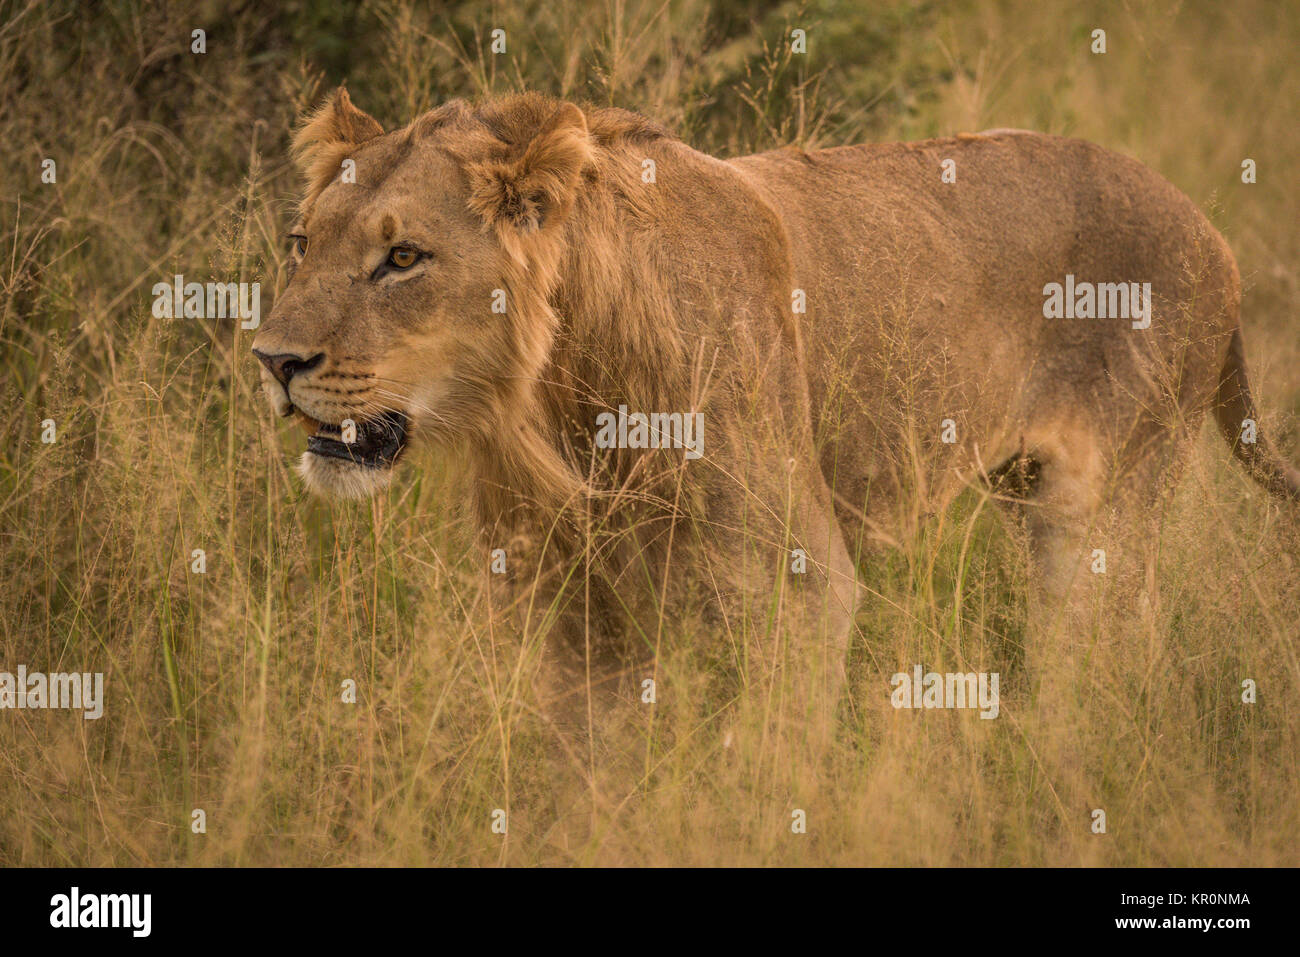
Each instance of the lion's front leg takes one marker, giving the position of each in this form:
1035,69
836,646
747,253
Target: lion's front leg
789,587
583,656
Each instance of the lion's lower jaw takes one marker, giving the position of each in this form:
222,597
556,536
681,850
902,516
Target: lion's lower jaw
334,478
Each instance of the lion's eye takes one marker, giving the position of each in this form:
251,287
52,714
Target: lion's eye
299,246
402,257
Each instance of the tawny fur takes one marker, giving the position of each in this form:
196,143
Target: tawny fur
923,306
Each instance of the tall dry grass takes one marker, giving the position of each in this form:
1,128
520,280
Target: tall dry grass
225,688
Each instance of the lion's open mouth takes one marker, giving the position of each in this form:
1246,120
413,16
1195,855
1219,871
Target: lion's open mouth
377,444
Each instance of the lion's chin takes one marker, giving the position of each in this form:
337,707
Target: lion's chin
337,478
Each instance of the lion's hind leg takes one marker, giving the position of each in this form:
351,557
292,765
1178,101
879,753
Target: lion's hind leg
1088,508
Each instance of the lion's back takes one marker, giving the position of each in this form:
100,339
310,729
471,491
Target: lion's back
924,268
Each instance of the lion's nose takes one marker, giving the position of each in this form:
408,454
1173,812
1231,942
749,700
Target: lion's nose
285,365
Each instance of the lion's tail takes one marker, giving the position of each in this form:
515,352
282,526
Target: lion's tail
1235,410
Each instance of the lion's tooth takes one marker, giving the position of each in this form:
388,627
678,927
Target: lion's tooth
306,422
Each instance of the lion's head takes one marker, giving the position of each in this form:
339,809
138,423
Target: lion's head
421,263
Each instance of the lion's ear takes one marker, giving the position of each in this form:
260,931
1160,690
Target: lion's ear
327,137
536,186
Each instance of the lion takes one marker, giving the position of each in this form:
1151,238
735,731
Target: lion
863,332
